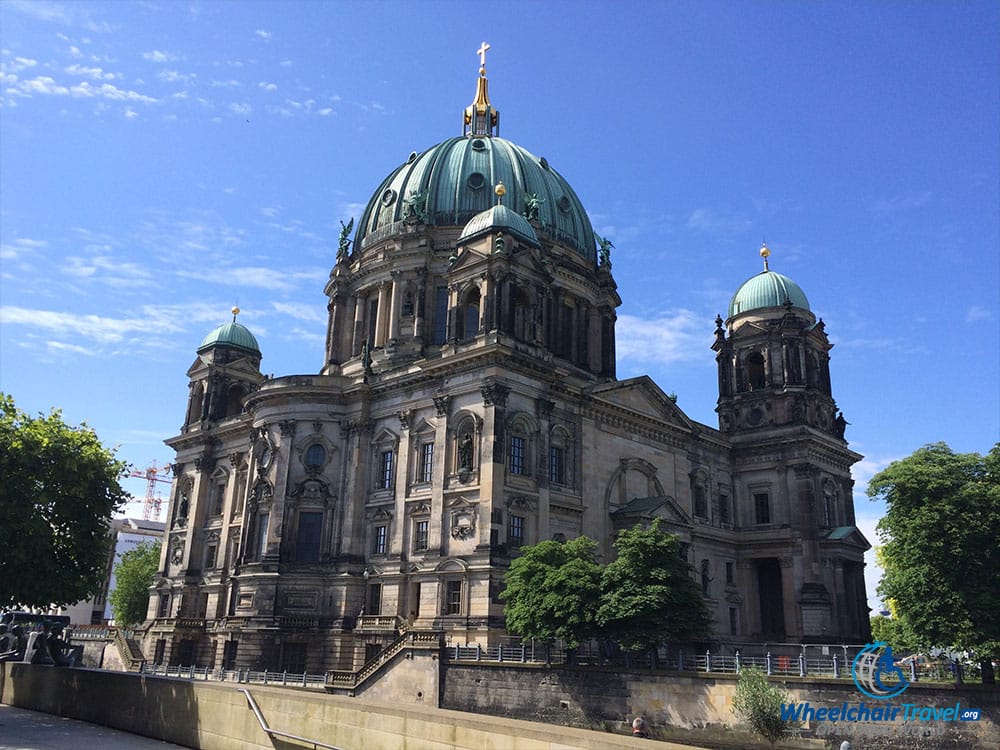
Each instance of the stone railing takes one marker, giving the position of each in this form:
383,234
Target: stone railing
129,651
424,640
381,623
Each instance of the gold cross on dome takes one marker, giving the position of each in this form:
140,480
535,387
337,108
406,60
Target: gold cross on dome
482,54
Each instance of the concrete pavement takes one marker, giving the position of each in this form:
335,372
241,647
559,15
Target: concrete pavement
21,729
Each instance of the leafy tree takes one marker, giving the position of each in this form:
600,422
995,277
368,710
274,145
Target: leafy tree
553,590
648,596
58,489
940,552
758,703
133,575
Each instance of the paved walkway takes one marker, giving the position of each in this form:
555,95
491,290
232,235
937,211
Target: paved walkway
21,729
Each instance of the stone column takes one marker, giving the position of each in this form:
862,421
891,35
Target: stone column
397,291
436,530
359,323
382,314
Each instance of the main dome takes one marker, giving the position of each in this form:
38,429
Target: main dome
451,182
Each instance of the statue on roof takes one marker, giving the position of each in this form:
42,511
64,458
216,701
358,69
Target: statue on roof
415,207
344,244
604,251
531,205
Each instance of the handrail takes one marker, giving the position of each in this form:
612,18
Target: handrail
276,733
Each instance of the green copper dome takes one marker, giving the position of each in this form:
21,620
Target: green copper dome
767,289
452,182
232,334
499,218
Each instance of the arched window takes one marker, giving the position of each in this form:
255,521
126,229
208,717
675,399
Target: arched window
523,328
755,371
468,315
315,457
234,400
196,403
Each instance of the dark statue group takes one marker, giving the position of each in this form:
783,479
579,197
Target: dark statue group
37,639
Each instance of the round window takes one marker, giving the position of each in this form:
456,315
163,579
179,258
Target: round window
388,197
476,181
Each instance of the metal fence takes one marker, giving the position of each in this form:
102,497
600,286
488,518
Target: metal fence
812,660
240,676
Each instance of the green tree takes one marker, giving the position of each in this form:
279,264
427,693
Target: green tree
552,591
758,703
648,596
133,575
58,490
940,551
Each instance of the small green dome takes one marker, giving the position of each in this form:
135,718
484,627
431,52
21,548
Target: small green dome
767,289
232,334
502,218
452,182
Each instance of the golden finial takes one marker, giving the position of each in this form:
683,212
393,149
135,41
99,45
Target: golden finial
765,253
501,191
235,311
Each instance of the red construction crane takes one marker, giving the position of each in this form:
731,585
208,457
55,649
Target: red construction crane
151,505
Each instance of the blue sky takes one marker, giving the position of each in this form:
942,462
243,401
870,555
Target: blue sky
160,162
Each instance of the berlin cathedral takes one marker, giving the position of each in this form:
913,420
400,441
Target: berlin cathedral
467,405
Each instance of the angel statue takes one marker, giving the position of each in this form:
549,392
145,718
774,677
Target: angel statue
344,243
604,252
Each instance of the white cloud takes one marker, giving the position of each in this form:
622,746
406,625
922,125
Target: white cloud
18,64
47,85
240,109
130,113
268,86
61,347
95,73
265,35
325,112
285,63
677,336
172,76
159,56
230,84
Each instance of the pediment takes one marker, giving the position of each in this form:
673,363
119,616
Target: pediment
849,536
202,366
650,508
645,397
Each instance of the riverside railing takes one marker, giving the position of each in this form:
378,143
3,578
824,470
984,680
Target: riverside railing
832,662
239,676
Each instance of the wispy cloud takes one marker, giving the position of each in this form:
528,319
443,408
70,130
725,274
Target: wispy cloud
676,336
98,328
263,34
977,313
67,14
903,202
268,86
718,223
261,277
300,311
20,247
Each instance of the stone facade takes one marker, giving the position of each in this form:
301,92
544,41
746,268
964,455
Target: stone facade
468,405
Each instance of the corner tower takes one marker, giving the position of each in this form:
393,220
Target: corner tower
791,465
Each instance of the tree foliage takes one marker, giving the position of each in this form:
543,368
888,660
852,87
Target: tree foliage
58,489
758,703
648,596
553,590
133,575
940,551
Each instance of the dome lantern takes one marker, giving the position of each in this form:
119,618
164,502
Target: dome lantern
481,117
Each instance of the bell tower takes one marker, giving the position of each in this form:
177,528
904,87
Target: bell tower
773,359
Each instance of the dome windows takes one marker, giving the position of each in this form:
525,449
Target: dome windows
476,181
